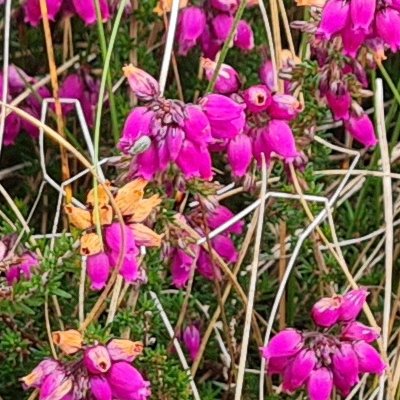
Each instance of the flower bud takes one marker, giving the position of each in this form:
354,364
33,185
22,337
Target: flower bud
191,338
142,84
69,341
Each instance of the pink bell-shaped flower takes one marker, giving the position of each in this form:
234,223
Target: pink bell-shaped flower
320,384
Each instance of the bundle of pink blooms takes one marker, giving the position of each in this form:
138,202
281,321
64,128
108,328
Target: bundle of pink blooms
321,360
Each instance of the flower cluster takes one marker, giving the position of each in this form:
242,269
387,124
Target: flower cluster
16,263
83,9
267,128
80,85
187,255
321,360
101,257
101,372
374,23
165,132
210,26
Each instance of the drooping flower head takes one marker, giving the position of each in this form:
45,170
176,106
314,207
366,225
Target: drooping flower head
164,132
101,258
320,361
99,371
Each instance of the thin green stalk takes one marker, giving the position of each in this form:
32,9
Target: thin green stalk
103,47
226,46
390,83
104,79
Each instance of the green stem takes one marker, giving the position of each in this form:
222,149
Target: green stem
103,47
226,46
104,79
390,83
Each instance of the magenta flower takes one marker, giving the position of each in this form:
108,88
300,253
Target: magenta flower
357,331
335,16
345,368
362,14
240,155
97,359
192,22
21,267
180,268
386,19
339,101
126,382
299,370
352,40
98,269
257,98
221,26
142,84
226,117
244,38
100,388
227,82
33,14
266,74
353,302
326,311
285,344
362,129
229,6
222,214
87,12
284,106
369,360
320,384
191,338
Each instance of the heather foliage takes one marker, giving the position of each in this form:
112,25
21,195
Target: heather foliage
183,184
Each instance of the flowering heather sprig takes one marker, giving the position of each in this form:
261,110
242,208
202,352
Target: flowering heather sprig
17,264
167,132
319,361
209,26
186,254
84,9
375,23
267,126
101,372
135,209
80,85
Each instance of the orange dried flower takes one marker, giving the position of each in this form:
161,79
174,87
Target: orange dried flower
144,236
129,196
78,217
166,5
144,208
90,244
69,341
103,198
